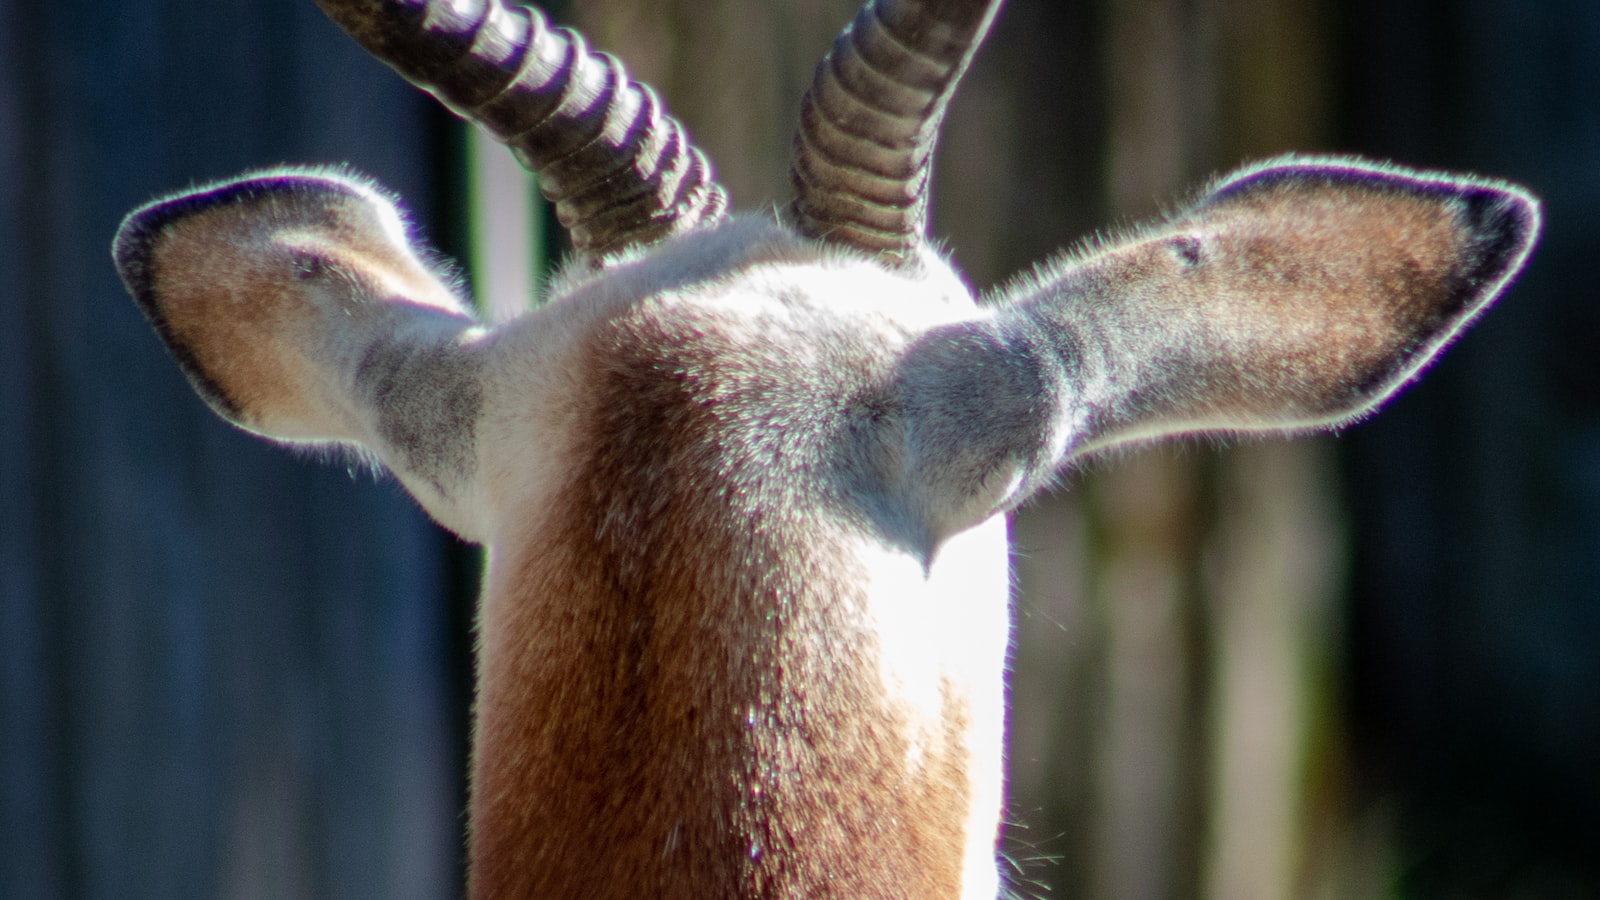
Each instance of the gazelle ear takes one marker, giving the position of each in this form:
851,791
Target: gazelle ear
1293,295
298,310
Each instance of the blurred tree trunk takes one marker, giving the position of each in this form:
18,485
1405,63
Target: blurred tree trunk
1210,575
224,671
1476,606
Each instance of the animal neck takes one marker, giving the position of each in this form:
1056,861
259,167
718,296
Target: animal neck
693,731
690,686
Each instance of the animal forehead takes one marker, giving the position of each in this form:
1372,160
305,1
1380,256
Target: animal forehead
753,270
826,298
759,362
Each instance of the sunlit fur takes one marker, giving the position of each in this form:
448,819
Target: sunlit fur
745,619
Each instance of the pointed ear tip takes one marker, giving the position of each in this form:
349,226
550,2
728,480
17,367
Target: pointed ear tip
130,248
1512,208
1506,220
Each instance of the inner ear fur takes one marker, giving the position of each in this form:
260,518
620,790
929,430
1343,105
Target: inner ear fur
274,291
1295,294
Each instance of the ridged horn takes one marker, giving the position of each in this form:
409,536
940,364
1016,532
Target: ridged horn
868,124
618,169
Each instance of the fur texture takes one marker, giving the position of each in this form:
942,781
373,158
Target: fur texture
745,620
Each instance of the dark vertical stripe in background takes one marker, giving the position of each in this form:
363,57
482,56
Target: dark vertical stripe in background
223,667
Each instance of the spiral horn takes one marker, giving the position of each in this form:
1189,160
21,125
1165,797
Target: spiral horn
618,169
868,124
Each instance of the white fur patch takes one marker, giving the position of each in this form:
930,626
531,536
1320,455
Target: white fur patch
943,637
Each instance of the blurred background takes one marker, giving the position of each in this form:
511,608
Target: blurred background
1362,666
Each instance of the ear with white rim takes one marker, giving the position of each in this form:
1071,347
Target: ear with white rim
1295,295
298,309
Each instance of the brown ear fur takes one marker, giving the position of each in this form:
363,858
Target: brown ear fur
1383,268
265,287
1297,294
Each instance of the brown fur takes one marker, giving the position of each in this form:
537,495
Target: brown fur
681,695
745,620
244,287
